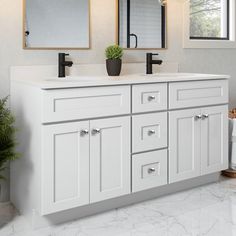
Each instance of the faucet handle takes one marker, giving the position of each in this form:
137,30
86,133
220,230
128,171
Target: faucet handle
67,54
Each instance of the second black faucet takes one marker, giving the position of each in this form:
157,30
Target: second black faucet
150,62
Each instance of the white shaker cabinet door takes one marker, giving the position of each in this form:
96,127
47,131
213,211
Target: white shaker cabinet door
109,158
214,141
184,144
65,166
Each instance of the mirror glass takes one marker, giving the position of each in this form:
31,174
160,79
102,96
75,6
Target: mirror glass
56,24
141,24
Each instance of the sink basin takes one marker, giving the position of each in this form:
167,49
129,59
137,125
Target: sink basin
75,79
171,75
87,79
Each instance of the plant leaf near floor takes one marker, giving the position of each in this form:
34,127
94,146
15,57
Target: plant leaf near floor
7,136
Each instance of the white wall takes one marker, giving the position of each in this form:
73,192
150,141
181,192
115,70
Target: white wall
103,34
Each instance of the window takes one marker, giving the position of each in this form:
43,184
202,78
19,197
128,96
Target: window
209,24
209,19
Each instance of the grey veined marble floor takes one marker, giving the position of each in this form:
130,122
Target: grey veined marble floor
207,210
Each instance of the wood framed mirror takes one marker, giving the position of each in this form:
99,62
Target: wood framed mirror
56,24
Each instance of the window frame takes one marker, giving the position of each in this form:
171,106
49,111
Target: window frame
210,42
228,27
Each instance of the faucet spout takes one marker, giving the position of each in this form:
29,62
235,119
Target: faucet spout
157,62
68,63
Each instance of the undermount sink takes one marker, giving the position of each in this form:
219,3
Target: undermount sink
75,79
171,75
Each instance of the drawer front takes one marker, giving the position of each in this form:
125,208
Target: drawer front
149,170
198,93
149,132
150,97
81,103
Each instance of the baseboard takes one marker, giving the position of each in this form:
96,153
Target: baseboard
38,221
5,204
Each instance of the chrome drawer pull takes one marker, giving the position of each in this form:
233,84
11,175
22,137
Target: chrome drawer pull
150,98
151,170
198,117
205,116
96,131
151,132
84,132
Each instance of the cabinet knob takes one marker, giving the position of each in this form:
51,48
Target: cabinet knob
96,131
198,117
151,132
151,170
151,98
84,132
205,116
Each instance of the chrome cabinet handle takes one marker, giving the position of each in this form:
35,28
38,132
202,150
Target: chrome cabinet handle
151,170
198,117
151,132
205,116
150,98
96,131
84,132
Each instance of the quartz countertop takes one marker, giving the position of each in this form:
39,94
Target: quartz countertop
92,81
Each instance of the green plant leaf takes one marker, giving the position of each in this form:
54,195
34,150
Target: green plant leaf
7,136
114,52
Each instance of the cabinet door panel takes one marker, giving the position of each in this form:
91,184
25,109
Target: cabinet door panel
184,145
110,158
214,141
65,167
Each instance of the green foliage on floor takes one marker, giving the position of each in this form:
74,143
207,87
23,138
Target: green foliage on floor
7,136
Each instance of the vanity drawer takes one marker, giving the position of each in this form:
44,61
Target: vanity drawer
149,97
149,170
83,103
198,93
149,132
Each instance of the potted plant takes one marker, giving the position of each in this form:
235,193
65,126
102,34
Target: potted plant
114,54
7,136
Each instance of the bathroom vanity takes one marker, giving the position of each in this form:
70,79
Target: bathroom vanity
90,144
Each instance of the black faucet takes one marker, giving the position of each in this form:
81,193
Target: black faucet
62,63
150,62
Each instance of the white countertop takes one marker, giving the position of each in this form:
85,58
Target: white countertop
91,81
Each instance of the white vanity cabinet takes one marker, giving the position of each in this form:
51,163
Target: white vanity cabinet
85,162
108,142
198,142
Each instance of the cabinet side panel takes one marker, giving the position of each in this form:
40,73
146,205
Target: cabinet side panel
25,172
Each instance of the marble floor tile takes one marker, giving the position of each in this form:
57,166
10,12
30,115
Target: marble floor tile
204,211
